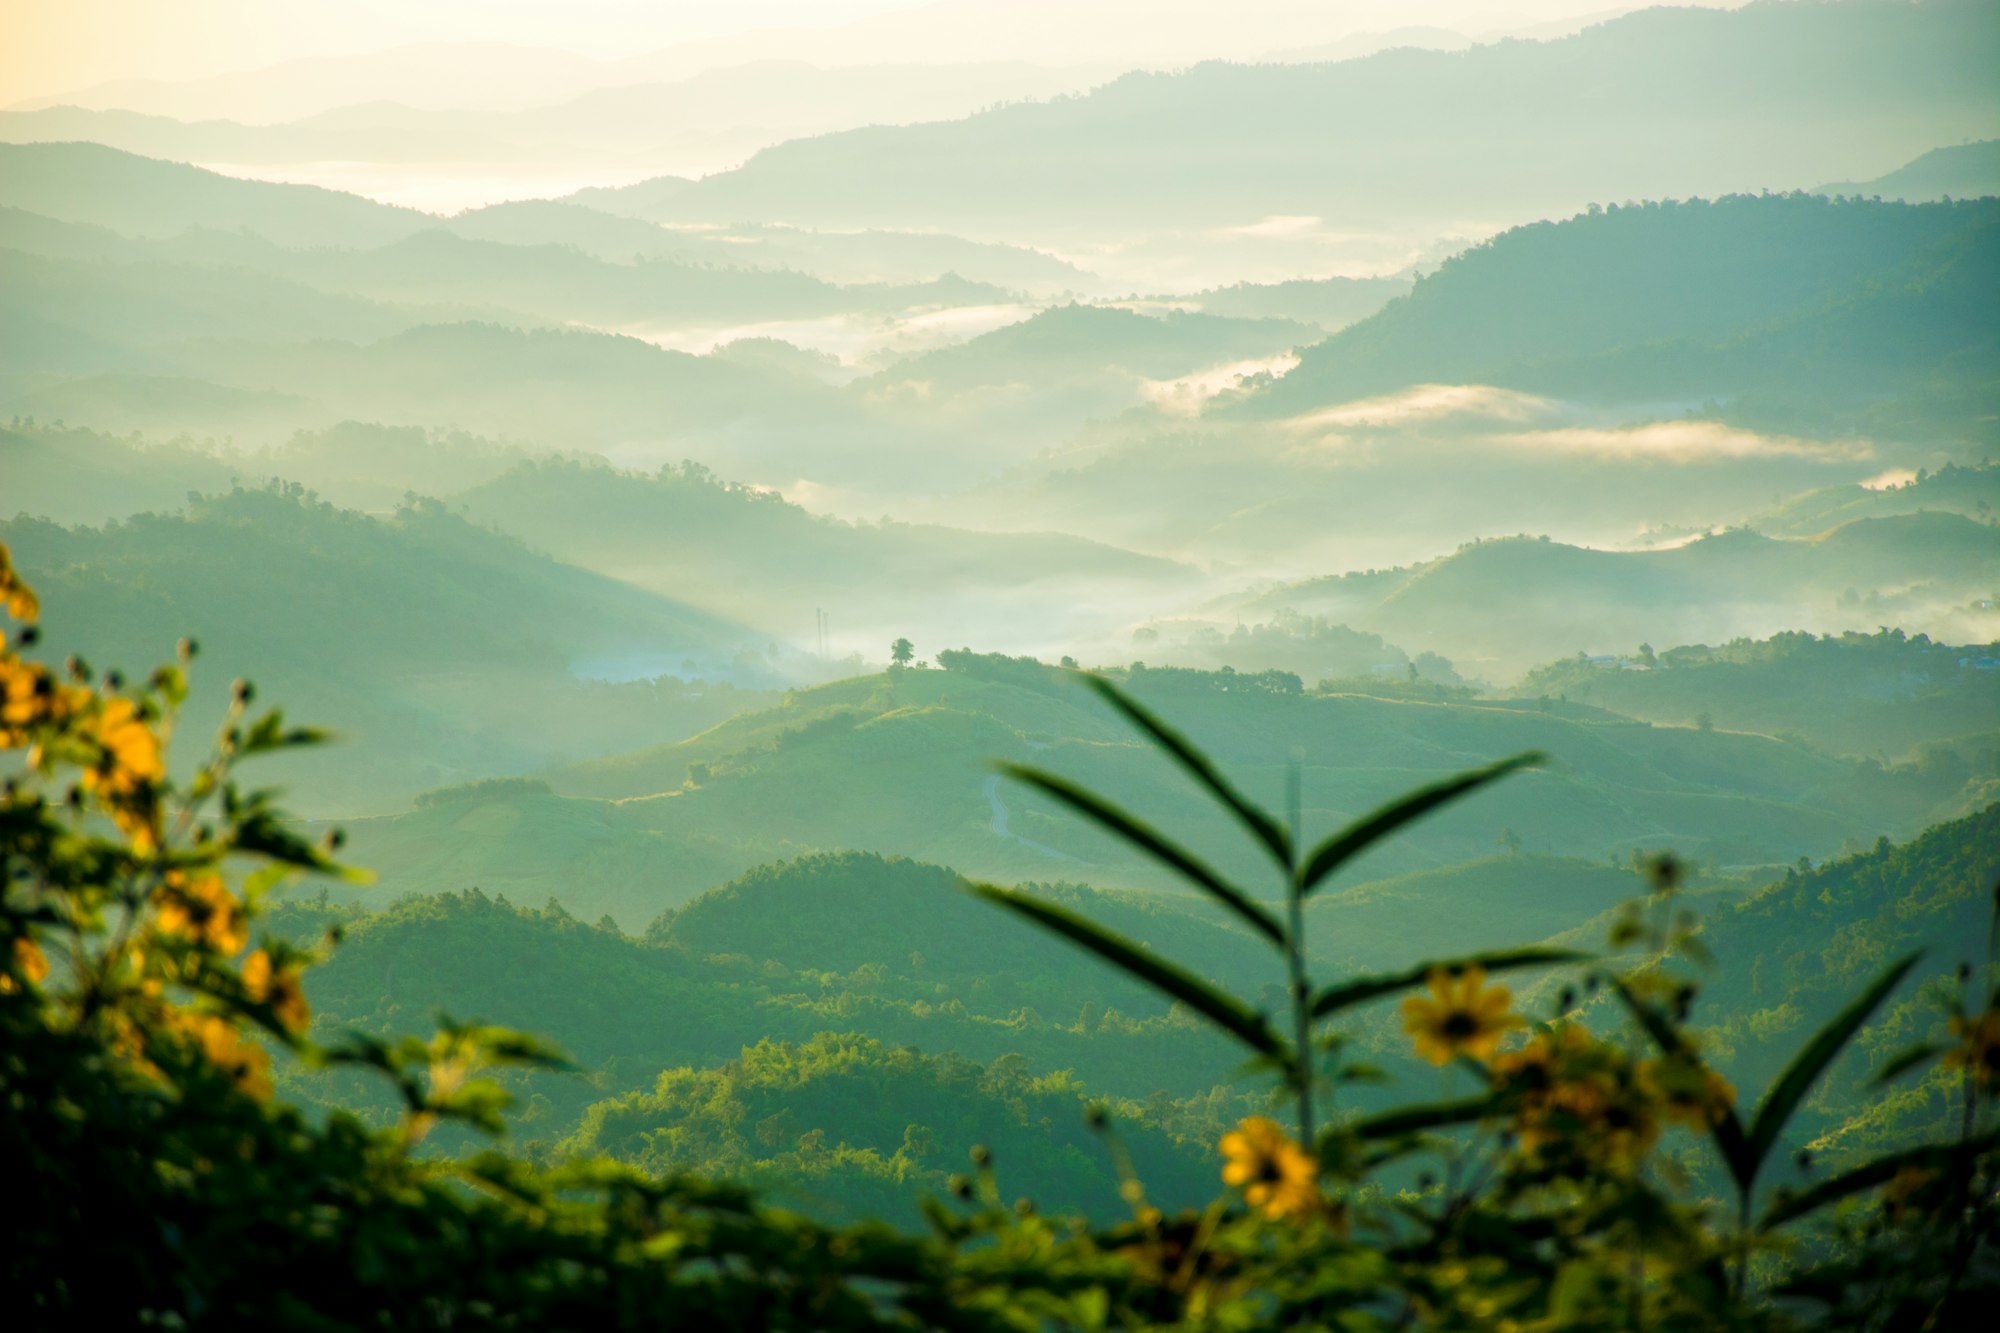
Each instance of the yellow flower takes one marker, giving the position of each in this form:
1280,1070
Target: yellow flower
1578,1098
279,988
29,962
1274,1173
126,771
131,752
1978,1049
204,910
224,1047
30,697
18,597
1461,1016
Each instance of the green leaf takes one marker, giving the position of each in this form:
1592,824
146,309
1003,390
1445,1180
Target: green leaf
269,733
1266,829
1363,989
1152,842
1905,1062
1380,823
1940,1157
1810,1063
1415,1119
1225,1011
1993,926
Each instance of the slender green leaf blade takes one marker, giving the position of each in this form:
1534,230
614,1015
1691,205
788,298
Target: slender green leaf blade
1152,842
1416,1119
1225,1011
1363,989
1810,1063
1266,829
1940,1157
1343,846
1905,1062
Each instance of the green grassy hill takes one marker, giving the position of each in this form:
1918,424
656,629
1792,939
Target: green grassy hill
898,764
1494,902
697,1040
916,925
1973,492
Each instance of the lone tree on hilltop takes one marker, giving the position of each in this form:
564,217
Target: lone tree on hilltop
901,651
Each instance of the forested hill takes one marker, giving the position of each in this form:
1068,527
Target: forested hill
1627,108
900,763
1072,339
1789,956
730,997
1777,299
1883,694
1921,569
420,634
89,183
1961,171
683,531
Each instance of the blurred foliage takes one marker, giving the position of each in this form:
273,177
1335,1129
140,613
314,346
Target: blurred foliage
141,1012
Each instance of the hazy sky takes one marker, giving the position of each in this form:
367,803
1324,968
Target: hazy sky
52,46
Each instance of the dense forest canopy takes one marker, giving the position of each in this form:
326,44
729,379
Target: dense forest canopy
1065,665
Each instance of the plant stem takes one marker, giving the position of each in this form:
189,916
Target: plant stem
1743,1237
1295,959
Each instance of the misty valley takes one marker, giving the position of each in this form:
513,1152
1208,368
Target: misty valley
1311,673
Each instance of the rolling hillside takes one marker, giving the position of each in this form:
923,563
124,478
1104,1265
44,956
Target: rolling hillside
685,533
438,649
1632,107
899,764
1881,694
1924,570
1796,305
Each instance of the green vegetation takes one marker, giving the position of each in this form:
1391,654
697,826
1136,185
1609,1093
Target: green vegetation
1973,492
681,564
1623,109
1794,309
150,1040
747,552
1962,171
901,1122
426,633
1883,695
1929,567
